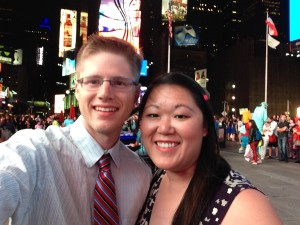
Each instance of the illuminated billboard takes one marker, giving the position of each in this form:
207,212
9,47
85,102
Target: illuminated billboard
69,62
144,68
201,77
186,35
67,30
9,55
178,7
294,20
83,26
120,19
72,81
59,103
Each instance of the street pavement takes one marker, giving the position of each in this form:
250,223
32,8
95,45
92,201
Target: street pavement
280,181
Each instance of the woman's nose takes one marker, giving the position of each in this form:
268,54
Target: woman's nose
165,126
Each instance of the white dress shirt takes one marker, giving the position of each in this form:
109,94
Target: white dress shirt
48,177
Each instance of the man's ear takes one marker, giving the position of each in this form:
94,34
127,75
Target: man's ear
76,90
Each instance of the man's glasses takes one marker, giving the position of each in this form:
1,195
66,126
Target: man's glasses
94,83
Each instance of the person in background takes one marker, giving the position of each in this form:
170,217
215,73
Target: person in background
55,121
266,132
272,139
23,124
239,126
193,183
40,124
282,136
139,148
32,121
132,123
49,176
252,140
234,129
230,129
48,121
68,121
296,136
7,127
290,140
216,119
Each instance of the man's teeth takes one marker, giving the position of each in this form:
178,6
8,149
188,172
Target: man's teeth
166,145
105,109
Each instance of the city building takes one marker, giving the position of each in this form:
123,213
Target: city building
225,38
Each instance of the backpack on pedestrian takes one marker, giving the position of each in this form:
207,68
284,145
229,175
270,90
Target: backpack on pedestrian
258,137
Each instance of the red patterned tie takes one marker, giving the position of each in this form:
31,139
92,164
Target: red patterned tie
105,204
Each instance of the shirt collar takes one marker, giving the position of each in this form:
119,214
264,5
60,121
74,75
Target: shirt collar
89,148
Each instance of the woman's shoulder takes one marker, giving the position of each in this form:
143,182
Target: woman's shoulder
252,202
231,187
237,180
248,200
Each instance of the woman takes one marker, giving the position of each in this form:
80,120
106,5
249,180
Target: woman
296,139
229,123
266,132
253,142
194,184
272,139
290,140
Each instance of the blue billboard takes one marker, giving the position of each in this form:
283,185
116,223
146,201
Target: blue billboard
294,17
186,35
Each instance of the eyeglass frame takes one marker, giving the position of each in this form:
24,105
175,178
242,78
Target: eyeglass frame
102,80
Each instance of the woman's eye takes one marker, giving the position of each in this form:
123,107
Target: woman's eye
181,116
152,115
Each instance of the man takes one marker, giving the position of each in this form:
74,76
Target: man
282,136
49,176
272,138
68,121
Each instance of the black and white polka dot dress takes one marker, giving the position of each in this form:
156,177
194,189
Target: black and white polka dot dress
216,211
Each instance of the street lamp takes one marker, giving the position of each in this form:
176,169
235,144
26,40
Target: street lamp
233,110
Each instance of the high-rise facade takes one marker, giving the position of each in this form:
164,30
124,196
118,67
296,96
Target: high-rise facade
231,46
36,34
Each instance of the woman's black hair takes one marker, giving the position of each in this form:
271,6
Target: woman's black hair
253,124
211,169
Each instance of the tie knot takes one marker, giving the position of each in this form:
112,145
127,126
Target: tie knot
104,161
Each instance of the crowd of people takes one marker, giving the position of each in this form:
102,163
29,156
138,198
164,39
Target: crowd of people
10,123
280,136
53,176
